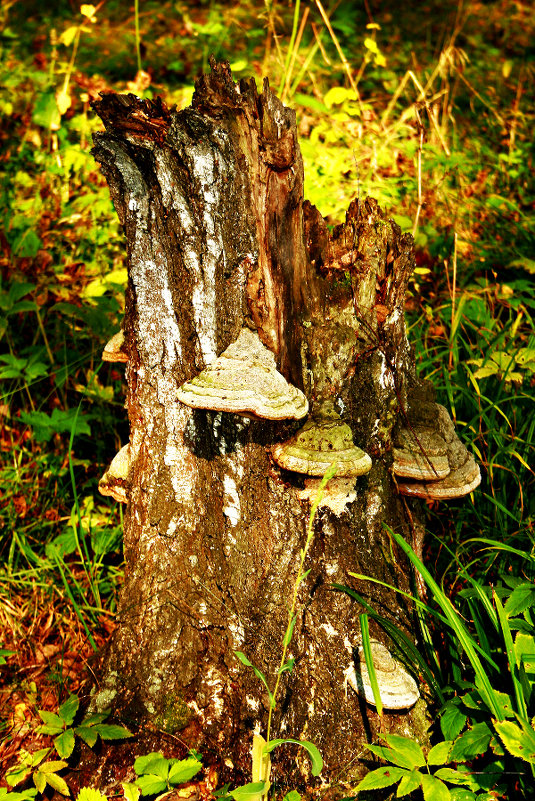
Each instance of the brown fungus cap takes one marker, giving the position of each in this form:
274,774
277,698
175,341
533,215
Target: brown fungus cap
113,350
433,457
421,454
459,482
245,380
397,688
114,482
323,441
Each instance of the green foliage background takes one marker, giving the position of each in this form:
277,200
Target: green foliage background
429,108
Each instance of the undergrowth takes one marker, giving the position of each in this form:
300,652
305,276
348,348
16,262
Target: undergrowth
429,110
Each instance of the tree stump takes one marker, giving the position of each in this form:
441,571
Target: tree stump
220,241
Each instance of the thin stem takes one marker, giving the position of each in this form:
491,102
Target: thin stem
453,290
299,578
138,44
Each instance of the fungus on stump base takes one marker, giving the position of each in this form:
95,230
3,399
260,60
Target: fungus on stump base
222,248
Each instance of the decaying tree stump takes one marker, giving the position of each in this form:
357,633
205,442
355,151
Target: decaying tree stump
219,240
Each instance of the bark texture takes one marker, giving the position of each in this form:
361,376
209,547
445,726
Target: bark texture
219,237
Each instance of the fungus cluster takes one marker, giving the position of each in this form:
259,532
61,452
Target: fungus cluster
431,461
324,441
397,688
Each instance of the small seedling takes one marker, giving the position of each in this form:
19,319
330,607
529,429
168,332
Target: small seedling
157,775
89,730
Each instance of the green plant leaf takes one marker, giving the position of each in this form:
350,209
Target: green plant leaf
471,743
462,794
522,598
455,622
409,783
158,768
64,743
17,774
382,777
434,789
87,734
143,763
518,740
314,754
92,719
131,791
89,794
151,785
39,779
289,632
68,710
454,776
288,666
250,791
184,770
439,754
57,783
293,795
258,673
52,724
406,748
25,795
110,731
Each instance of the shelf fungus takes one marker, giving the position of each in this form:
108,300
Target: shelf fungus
397,688
113,350
324,440
431,460
420,454
245,380
114,482
461,481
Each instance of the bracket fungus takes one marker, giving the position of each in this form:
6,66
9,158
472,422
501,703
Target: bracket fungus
397,688
323,441
461,481
337,493
420,454
434,459
114,482
113,350
244,380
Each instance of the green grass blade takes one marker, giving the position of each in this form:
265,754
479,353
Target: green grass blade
368,658
454,621
510,651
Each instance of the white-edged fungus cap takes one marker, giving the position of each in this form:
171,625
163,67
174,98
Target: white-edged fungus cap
459,482
114,482
397,688
421,454
244,379
323,441
113,350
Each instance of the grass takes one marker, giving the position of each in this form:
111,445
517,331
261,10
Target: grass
431,112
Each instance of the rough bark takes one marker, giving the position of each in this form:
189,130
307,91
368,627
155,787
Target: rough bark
218,237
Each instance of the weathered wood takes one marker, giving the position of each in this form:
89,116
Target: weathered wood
218,238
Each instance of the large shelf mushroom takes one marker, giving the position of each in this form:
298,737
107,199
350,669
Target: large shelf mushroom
431,461
114,482
397,688
244,379
324,441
